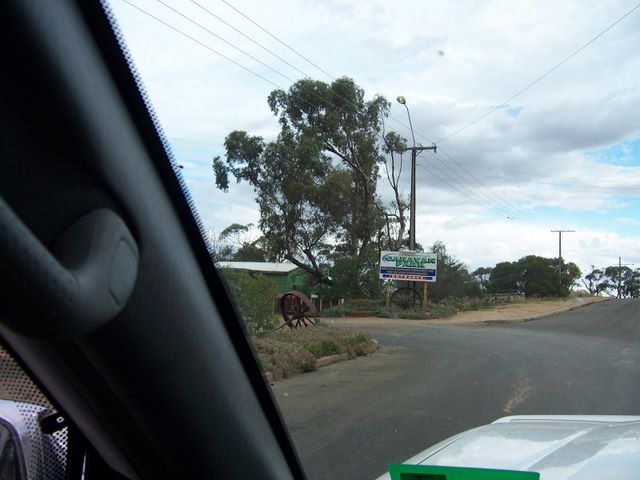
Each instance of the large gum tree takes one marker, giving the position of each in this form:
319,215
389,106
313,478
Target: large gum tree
316,183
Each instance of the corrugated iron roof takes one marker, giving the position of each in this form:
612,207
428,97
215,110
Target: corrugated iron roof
267,267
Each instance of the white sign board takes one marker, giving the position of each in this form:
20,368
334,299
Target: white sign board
414,266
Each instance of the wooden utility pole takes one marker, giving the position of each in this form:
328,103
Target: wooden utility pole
412,201
560,232
620,265
412,208
414,153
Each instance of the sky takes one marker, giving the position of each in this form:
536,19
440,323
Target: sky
562,154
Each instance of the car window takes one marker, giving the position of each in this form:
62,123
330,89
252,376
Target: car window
426,214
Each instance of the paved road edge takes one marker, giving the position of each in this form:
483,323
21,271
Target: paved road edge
538,317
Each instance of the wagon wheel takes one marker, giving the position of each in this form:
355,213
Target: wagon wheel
297,310
406,297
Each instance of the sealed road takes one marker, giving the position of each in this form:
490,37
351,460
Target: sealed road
428,382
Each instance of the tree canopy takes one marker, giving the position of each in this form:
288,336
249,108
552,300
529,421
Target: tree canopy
533,276
621,281
316,183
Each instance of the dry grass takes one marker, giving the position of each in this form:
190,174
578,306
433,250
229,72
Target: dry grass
285,353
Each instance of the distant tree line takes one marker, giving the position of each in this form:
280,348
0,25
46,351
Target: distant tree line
620,281
316,186
532,276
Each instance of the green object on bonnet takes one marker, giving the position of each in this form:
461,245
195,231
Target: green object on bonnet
428,472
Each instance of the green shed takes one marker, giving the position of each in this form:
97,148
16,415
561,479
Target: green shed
285,275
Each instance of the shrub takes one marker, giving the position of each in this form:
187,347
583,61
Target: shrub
337,311
253,296
283,359
441,310
410,313
353,305
286,352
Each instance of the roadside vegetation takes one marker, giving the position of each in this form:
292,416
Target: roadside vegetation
317,186
445,308
285,353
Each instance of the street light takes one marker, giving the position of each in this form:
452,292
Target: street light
403,101
412,208
414,153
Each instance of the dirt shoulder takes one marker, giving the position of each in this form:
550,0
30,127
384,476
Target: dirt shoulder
513,312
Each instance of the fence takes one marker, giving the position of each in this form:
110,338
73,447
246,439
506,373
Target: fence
505,297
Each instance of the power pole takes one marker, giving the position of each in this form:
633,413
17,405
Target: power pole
412,203
620,265
619,276
414,153
560,232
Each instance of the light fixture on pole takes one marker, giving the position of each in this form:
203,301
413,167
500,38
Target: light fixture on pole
414,153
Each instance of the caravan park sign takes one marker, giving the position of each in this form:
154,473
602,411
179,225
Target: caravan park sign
414,266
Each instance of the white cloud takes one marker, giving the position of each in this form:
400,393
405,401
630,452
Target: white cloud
533,159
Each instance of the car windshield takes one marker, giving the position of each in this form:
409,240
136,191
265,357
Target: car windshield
425,212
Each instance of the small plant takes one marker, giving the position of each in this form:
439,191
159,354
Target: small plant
287,352
337,311
440,310
353,305
410,313
253,296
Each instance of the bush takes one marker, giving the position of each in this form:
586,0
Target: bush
337,311
434,310
283,359
287,352
253,296
441,310
410,313
353,305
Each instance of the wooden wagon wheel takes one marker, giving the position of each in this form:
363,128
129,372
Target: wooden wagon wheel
406,297
297,310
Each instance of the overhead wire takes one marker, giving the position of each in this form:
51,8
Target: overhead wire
567,183
488,189
250,39
221,54
507,210
202,44
391,117
468,193
408,128
351,103
224,40
277,39
262,63
516,173
538,79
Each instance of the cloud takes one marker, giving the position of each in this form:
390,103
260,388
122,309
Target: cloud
565,151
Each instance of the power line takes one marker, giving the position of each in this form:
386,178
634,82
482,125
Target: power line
242,66
500,211
203,44
515,172
508,210
226,57
590,186
471,196
515,211
250,39
391,117
276,38
486,187
463,183
348,101
531,84
224,40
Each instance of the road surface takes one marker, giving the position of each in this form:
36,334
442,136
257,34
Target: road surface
426,383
